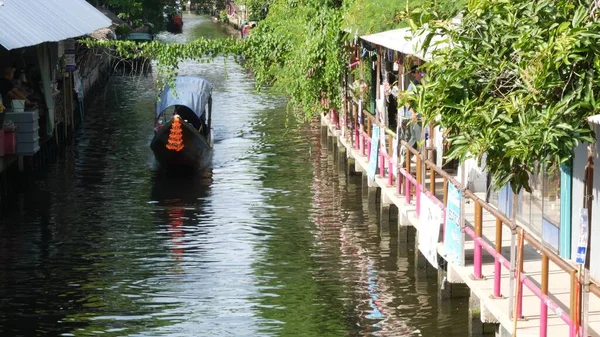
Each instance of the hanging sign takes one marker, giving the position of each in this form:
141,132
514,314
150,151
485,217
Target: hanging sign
429,229
453,236
373,155
69,46
583,237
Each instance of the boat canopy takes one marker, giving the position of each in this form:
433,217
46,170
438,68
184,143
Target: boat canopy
190,91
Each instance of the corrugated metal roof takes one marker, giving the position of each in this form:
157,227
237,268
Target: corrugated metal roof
30,22
594,119
403,40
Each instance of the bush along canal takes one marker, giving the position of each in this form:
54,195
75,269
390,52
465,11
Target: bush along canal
276,239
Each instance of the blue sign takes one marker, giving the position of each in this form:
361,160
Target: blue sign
583,237
453,236
373,158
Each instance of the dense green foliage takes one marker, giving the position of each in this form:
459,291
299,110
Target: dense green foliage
517,85
137,12
367,17
168,55
297,50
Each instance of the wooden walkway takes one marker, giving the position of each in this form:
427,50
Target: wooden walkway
493,310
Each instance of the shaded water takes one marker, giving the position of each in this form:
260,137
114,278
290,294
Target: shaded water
273,241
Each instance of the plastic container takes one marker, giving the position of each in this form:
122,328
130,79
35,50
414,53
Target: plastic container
10,139
18,104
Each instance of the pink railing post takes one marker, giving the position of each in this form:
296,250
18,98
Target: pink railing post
407,190
418,185
381,163
364,144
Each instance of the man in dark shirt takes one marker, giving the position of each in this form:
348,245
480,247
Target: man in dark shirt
7,90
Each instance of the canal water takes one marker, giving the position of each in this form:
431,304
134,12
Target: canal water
272,241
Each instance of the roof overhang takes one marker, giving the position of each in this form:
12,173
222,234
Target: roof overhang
31,22
403,40
594,119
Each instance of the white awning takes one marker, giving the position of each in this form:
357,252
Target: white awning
404,41
31,22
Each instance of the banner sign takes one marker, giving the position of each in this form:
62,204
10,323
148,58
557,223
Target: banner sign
372,169
69,46
453,236
583,237
429,229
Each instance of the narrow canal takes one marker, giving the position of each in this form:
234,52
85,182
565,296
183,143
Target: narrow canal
273,241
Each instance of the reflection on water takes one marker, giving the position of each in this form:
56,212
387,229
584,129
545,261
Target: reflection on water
272,241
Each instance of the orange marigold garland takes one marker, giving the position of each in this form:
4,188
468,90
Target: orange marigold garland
175,138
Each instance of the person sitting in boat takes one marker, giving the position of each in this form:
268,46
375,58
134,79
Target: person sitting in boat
189,116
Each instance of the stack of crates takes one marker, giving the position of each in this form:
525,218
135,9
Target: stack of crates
28,130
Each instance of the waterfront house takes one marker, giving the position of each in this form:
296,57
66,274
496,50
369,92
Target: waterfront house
550,216
36,39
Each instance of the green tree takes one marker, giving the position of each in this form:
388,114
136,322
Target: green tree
137,12
517,84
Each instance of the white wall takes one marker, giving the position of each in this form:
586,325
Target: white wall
595,220
579,161
475,175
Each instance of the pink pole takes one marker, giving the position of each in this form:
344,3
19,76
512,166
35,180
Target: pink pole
407,190
544,319
497,277
381,164
369,151
356,139
477,261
